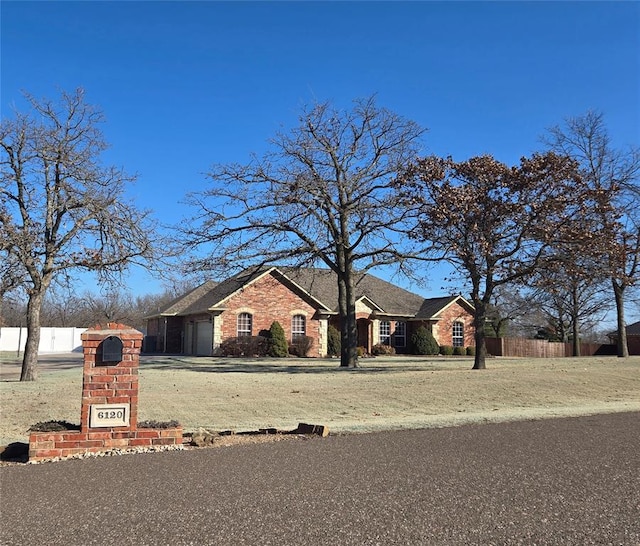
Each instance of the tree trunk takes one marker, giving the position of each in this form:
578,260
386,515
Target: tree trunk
30,358
479,317
576,338
349,329
623,348
575,320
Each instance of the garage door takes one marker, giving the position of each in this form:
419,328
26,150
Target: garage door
204,338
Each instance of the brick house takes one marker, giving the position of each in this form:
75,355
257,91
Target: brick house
305,302
633,338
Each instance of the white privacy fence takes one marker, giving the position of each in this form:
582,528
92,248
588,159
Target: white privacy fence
52,340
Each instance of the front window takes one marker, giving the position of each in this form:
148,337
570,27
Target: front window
298,326
458,334
400,335
385,332
245,321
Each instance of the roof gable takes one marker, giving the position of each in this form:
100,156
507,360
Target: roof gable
634,329
631,329
433,307
185,302
318,286
384,296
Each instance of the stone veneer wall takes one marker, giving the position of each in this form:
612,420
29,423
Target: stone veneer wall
102,384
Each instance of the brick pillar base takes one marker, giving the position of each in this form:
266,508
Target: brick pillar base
109,410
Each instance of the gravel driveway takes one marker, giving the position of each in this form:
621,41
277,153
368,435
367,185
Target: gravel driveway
560,481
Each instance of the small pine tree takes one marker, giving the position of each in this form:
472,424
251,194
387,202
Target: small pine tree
277,341
333,341
423,342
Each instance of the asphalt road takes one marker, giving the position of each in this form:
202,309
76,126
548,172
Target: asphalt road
562,481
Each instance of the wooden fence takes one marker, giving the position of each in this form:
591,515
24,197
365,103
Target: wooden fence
540,348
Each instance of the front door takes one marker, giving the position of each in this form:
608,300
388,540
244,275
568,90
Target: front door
364,334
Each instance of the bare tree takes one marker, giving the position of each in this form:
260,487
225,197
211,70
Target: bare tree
323,195
493,222
11,279
508,313
62,307
62,210
569,288
612,174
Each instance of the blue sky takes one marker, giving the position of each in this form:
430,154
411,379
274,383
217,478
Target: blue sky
185,85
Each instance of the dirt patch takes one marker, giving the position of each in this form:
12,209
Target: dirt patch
386,393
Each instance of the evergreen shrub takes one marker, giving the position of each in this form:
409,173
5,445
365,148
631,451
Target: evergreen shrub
277,341
423,342
333,341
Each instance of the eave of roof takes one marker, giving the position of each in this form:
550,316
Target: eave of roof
631,329
318,286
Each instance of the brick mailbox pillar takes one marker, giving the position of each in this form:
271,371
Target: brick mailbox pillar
109,409
110,378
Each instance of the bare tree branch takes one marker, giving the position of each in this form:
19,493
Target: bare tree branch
61,210
612,175
494,223
324,194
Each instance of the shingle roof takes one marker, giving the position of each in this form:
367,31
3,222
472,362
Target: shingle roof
183,303
208,295
319,284
634,329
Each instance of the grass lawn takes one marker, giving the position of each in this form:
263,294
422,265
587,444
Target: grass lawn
385,393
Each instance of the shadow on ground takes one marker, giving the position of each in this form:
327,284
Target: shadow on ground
10,368
307,366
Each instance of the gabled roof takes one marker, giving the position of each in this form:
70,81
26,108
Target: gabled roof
387,297
632,330
432,307
184,305
319,286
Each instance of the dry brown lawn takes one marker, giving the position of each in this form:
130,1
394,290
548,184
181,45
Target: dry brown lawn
385,393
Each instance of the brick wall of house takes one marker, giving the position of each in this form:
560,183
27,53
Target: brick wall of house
443,329
633,343
268,300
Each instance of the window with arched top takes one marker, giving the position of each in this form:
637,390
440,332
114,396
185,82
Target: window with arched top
457,334
298,326
245,324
